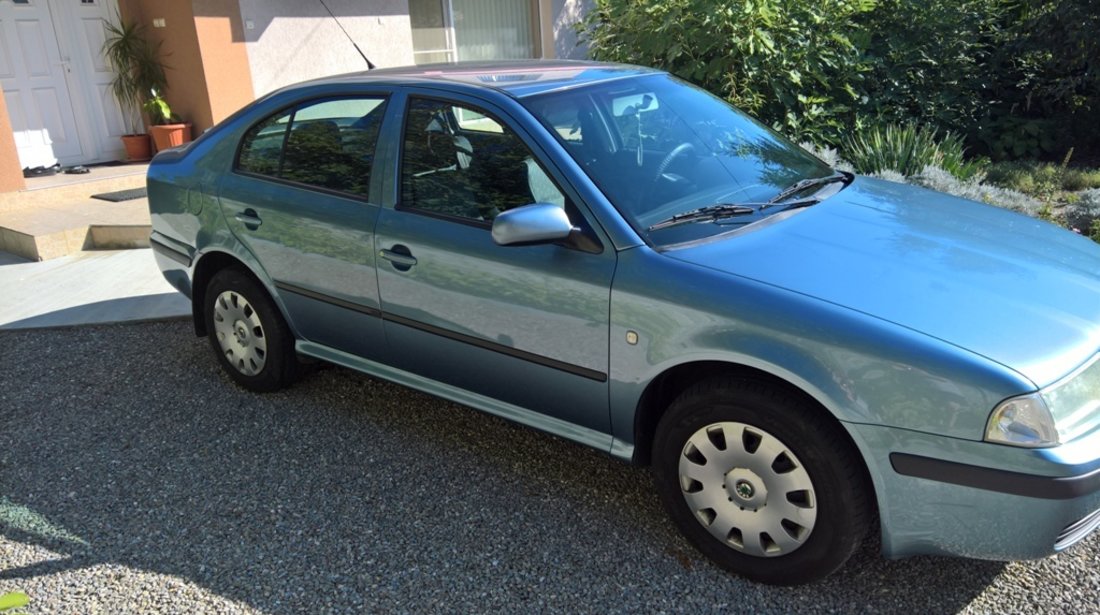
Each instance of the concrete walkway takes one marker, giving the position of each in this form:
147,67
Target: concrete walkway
86,288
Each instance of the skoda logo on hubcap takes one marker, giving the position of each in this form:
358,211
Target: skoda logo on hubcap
241,333
744,489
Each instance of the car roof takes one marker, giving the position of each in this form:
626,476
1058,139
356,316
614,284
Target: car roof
517,78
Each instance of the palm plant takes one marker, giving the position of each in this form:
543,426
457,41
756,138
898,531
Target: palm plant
137,67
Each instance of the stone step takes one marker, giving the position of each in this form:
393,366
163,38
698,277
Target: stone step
53,230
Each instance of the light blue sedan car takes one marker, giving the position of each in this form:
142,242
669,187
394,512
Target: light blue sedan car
616,257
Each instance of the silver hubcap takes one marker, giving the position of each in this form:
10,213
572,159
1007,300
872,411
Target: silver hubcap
239,332
748,489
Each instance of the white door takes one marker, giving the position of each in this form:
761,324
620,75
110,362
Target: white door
35,88
98,116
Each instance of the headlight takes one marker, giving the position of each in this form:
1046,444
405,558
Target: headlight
1059,413
1022,421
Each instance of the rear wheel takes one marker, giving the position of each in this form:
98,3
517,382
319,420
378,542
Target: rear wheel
761,481
247,332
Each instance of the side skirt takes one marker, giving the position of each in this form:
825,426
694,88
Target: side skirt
557,427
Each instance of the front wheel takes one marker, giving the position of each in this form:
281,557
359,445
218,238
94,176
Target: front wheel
248,334
761,481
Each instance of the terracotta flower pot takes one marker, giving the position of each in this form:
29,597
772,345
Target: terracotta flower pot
137,147
170,135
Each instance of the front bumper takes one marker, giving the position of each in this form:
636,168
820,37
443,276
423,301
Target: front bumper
946,496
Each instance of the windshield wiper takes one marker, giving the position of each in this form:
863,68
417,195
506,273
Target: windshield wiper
790,204
704,214
720,211
805,184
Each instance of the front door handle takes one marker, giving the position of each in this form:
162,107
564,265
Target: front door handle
249,219
400,256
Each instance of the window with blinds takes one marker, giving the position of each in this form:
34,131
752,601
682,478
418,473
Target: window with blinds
456,30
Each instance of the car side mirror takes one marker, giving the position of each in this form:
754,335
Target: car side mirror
537,223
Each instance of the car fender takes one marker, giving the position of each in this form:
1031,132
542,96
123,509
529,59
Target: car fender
859,368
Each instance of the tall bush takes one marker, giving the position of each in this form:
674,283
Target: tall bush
792,63
1046,82
1014,78
927,61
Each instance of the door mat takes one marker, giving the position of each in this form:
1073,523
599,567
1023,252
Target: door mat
122,195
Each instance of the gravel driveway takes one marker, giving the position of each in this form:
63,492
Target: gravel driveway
134,477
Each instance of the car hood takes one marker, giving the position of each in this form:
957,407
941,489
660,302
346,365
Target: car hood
1016,290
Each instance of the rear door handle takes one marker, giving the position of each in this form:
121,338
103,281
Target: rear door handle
400,256
249,219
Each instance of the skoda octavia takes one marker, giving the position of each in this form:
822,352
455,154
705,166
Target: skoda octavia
616,257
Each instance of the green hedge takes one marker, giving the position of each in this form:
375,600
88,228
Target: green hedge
1014,78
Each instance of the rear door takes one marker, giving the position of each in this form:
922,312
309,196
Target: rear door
300,199
527,325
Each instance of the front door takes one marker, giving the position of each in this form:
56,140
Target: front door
33,74
526,325
99,117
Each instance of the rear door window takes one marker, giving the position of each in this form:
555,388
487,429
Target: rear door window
328,144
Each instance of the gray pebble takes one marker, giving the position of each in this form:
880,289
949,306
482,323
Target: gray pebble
136,478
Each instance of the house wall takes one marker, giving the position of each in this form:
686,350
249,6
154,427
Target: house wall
564,14
224,52
203,47
11,172
290,41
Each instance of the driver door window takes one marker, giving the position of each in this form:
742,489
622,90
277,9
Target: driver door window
460,162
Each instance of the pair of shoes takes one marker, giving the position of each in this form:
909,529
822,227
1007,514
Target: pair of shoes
41,171
76,170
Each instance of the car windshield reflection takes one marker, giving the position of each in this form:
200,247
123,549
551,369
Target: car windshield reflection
658,147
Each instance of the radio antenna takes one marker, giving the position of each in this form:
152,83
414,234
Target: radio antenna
370,65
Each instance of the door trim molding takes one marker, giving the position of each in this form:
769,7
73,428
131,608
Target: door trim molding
323,298
523,355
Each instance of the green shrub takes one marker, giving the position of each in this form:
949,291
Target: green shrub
977,190
927,61
1013,175
1014,79
908,149
1039,178
1084,215
1044,79
1075,180
791,63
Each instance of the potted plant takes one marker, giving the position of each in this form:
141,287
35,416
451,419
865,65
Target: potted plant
138,72
167,128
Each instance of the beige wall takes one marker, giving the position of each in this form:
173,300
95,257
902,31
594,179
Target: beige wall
290,41
204,50
224,57
564,14
11,172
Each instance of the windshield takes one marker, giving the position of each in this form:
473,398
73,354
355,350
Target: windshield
657,147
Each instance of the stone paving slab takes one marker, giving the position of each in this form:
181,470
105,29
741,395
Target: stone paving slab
87,288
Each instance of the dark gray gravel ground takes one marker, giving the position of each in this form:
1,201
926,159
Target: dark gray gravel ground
134,477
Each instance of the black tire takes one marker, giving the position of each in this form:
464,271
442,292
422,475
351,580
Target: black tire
273,368
840,488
